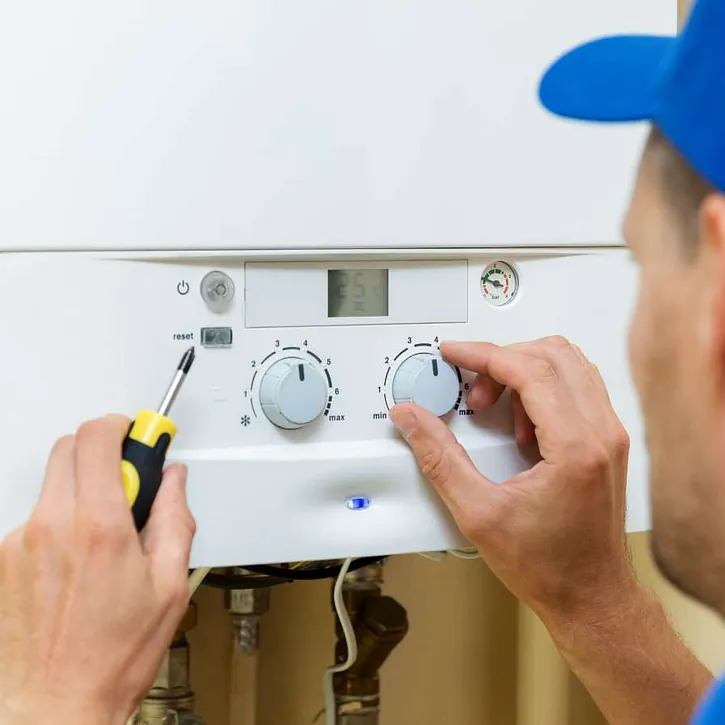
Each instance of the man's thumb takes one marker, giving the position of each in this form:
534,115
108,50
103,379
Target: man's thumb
442,460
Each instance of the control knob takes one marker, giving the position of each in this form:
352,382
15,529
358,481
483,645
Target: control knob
427,380
293,393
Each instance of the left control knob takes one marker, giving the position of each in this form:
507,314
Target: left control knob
293,393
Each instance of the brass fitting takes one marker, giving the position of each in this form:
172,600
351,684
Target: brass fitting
171,699
358,587
380,624
246,606
365,578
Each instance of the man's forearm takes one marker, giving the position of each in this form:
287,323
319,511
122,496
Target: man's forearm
634,665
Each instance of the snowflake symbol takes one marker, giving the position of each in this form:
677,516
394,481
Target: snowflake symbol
246,420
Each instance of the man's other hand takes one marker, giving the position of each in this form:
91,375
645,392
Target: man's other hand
87,606
554,534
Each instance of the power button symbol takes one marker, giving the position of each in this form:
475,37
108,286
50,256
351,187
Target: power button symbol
183,287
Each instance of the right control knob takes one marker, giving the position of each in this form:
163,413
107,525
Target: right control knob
427,380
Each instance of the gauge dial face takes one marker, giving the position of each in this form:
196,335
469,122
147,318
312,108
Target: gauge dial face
499,284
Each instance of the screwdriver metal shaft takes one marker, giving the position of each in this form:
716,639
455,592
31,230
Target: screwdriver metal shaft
181,372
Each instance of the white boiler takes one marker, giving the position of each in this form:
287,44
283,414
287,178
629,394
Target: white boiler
314,193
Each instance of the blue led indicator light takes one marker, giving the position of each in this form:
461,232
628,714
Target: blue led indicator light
358,503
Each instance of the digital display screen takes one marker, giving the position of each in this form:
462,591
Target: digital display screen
357,293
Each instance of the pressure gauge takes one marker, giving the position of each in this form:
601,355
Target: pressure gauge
499,284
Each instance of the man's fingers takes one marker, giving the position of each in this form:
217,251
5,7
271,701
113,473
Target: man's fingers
484,392
442,460
596,376
507,366
472,356
170,530
576,370
57,498
99,484
523,427
585,382
545,396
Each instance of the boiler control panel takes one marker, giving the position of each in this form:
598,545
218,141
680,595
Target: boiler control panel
341,352
284,420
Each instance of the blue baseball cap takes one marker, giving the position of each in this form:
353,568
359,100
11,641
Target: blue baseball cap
676,83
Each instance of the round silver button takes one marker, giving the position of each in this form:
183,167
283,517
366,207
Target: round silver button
217,290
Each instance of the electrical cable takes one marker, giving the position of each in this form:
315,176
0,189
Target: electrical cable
196,578
433,555
464,553
288,567
229,582
271,576
438,556
350,641
327,572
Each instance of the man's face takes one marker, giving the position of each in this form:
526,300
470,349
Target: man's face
678,360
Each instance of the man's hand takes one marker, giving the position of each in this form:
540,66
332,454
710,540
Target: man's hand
555,533
87,607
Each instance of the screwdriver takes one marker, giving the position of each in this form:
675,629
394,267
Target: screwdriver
145,447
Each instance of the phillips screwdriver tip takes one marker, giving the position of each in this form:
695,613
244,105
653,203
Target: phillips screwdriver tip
187,360
184,367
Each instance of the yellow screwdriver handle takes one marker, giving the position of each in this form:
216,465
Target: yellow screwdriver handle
143,460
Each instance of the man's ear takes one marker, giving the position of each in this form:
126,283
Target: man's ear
710,266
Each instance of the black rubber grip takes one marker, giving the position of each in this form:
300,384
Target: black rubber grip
149,463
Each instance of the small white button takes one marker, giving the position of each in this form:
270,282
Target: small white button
427,380
293,393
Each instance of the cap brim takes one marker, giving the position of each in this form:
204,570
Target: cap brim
607,80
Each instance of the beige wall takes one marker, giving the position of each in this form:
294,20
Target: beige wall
473,655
